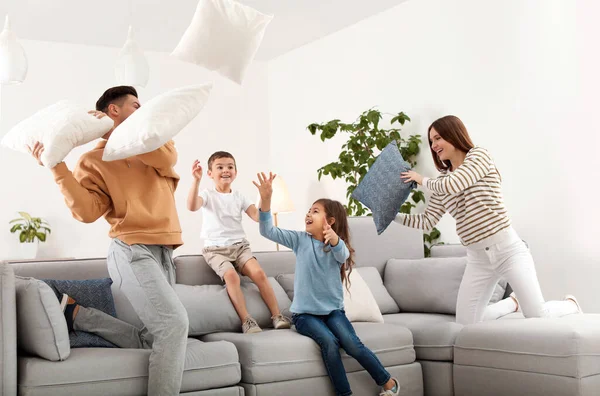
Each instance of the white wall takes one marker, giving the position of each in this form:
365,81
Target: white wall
521,75
235,119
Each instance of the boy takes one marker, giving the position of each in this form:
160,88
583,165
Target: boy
226,249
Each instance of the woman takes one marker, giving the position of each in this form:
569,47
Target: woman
470,190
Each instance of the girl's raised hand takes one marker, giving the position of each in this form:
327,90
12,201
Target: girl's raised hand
331,237
265,184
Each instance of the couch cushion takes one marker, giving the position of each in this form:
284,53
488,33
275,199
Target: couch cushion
567,346
41,325
80,269
374,250
104,371
89,293
193,269
210,310
371,276
448,250
434,334
359,303
280,355
429,285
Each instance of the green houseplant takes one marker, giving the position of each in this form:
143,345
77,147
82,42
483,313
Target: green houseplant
365,141
31,231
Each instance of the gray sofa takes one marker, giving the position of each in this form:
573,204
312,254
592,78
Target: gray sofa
419,342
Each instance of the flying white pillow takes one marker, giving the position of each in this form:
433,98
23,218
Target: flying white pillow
60,127
224,36
156,122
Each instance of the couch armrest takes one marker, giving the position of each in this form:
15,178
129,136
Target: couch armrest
8,331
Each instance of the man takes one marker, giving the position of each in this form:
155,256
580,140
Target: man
136,197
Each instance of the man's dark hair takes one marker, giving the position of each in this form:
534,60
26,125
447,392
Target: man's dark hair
114,95
219,155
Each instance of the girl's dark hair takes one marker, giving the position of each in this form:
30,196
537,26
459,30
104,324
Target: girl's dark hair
452,130
336,210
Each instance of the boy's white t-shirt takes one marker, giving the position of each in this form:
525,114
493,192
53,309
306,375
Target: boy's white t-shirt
222,217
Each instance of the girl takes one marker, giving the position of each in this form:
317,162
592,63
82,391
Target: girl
323,257
469,188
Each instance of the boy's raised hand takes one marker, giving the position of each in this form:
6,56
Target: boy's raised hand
330,236
265,185
197,170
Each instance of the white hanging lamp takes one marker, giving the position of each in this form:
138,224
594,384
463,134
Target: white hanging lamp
13,61
132,66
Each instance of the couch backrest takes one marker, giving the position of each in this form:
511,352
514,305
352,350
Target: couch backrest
374,250
193,269
79,270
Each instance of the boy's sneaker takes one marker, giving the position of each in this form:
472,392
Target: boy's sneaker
281,322
572,298
395,391
68,306
250,326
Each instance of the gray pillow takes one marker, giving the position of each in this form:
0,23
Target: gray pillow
287,282
41,325
429,285
382,190
90,293
371,276
210,310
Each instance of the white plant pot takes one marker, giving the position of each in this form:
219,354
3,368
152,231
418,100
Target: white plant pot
29,250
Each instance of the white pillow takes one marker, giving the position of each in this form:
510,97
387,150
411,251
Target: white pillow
359,303
156,122
224,36
60,127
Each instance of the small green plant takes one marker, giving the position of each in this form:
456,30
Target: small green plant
365,142
30,228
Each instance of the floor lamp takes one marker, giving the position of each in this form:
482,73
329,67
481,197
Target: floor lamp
281,201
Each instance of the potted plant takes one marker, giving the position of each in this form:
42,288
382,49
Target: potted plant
365,141
31,231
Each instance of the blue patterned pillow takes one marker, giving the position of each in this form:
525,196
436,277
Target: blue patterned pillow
382,190
90,293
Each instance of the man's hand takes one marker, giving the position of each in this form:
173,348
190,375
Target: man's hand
197,171
36,152
97,114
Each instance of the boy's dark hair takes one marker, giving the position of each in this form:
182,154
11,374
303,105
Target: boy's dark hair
219,155
113,95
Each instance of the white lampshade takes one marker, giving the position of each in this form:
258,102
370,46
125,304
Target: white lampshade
13,61
281,201
132,66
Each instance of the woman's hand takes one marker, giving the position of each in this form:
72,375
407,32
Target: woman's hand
411,176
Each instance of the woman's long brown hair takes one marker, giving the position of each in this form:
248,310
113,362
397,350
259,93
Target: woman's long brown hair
452,130
334,209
